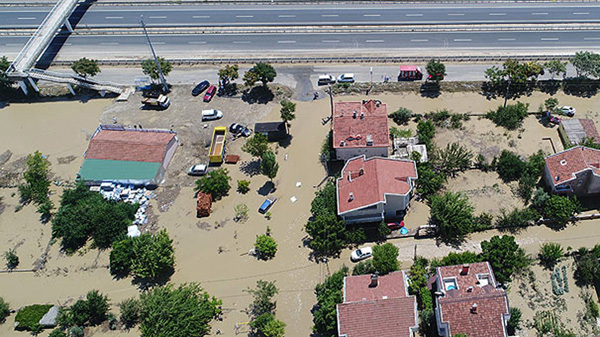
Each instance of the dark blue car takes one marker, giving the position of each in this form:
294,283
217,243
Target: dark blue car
198,89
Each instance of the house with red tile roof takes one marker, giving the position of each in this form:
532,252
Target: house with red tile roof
360,128
377,306
128,156
375,189
469,301
575,171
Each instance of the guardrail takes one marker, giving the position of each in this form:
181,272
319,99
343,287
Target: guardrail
345,59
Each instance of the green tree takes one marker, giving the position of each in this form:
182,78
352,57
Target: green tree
588,266
263,72
495,75
269,165
130,312
256,145
550,253
263,298
97,307
153,255
85,67
430,181
454,158
561,209
327,233
228,73
551,104
4,310
510,117
325,200
12,260
121,257
5,82
215,183
37,184
385,258
401,116
287,111
79,312
505,256
556,68
514,322
436,70
173,312
586,63
149,68
452,213
265,246
510,166
274,328
329,294
426,132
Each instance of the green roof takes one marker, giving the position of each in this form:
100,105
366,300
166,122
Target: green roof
100,169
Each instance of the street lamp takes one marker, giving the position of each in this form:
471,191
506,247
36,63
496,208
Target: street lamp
162,76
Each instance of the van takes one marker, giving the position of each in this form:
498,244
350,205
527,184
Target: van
410,73
346,78
326,79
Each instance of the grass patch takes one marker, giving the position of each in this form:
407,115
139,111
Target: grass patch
29,317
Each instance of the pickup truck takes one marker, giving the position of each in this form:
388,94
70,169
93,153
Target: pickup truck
161,102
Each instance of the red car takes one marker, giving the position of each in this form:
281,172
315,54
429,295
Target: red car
210,93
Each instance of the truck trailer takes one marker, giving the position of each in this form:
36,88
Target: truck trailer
217,145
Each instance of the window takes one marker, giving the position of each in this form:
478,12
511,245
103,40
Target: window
483,279
450,284
579,182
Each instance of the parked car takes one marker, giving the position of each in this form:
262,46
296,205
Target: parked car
264,207
361,254
239,130
198,170
326,79
200,87
554,120
211,114
346,78
568,110
210,93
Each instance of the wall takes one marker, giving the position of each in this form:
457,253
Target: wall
350,152
370,214
395,203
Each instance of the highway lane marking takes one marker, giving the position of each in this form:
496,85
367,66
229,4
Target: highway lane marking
113,17
286,16
286,41
14,44
462,40
201,16
330,41
419,40
539,13
110,43
549,39
506,39
241,42
374,41
581,13
158,42
244,16
329,15
196,42
591,38
414,14
455,14
496,14
27,18
157,17
375,15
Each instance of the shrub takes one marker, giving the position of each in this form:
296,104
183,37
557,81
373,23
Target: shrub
401,116
97,307
516,218
452,213
550,253
509,166
12,260
121,257
112,321
588,265
130,312
243,186
76,331
510,117
29,317
363,268
266,247
57,333
426,132
452,159
4,310
456,259
241,212
215,183
385,258
263,298
430,181
561,209
329,294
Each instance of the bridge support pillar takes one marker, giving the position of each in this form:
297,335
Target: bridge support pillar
32,82
68,25
71,89
102,93
24,87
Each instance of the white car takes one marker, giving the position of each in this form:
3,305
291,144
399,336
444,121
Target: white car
211,114
326,79
568,110
198,170
346,78
361,254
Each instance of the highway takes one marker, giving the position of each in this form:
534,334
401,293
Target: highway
280,15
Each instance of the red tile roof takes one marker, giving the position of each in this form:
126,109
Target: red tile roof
383,318
353,130
370,179
382,311
590,129
456,307
129,145
563,165
356,288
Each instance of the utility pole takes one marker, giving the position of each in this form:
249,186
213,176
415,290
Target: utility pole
507,92
162,76
330,100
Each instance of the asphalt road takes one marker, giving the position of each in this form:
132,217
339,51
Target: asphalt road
264,15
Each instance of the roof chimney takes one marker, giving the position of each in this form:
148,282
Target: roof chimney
470,289
354,114
474,308
362,115
465,269
342,143
361,171
369,140
374,281
351,196
342,113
